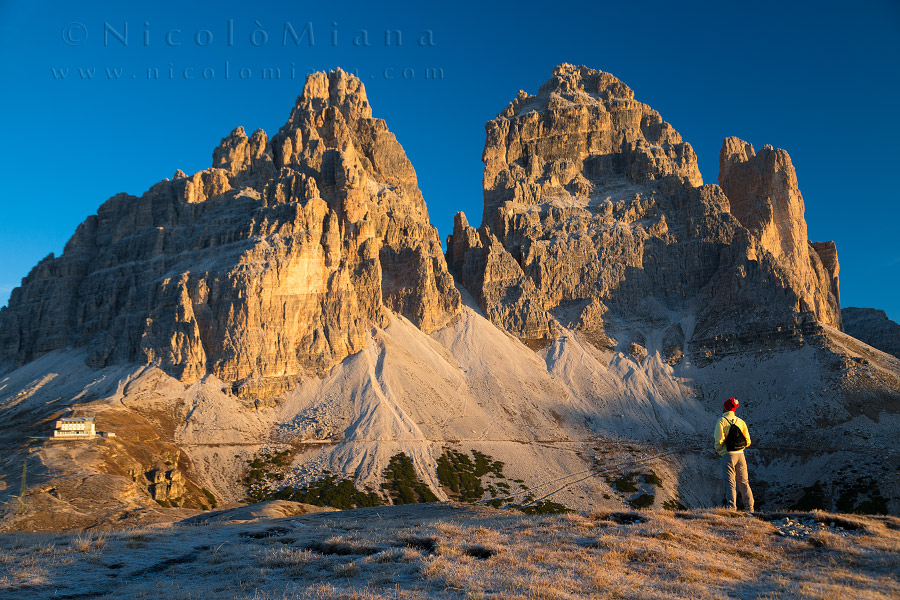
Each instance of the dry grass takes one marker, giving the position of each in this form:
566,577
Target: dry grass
294,559
88,543
441,551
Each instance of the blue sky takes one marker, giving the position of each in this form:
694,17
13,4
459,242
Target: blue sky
818,79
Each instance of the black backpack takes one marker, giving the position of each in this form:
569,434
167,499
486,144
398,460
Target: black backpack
734,439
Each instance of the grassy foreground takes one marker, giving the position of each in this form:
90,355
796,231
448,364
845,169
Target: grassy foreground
455,551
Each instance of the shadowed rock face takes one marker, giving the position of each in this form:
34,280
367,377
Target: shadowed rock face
764,196
595,217
273,263
873,327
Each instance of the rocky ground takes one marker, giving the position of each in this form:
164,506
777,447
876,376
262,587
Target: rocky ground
446,550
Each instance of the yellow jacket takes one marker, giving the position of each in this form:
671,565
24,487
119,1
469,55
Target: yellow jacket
721,430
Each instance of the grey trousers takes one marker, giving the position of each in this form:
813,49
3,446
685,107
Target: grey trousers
734,471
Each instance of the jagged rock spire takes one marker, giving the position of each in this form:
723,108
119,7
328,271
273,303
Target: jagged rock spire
764,196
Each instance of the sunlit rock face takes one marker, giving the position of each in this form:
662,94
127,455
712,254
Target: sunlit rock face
273,263
596,218
764,196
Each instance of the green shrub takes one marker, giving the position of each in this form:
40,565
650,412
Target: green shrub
545,507
813,498
402,484
673,505
642,501
626,483
462,475
847,500
281,459
457,472
264,469
213,503
328,491
652,478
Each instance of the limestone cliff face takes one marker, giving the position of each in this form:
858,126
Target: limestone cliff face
764,196
273,263
595,217
873,327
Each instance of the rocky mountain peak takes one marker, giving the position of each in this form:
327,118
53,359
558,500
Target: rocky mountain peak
570,84
592,202
274,263
765,197
237,153
734,151
339,90
583,128
573,81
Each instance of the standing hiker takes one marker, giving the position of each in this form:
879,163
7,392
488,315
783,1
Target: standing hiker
731,437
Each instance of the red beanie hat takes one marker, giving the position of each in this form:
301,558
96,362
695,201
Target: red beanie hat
730,404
